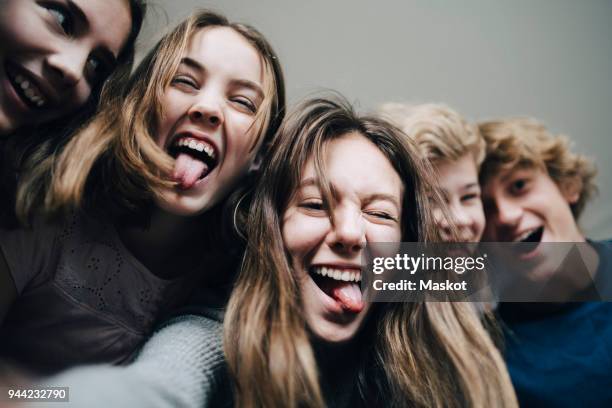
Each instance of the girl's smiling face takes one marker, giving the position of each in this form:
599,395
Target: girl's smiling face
209,123
53,53
326,246
461,191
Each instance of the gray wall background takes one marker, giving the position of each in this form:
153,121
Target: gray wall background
550,59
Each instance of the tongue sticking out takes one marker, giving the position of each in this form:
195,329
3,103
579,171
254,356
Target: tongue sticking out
348,294
188,170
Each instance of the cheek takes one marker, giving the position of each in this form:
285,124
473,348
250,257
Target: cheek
383,233
240,151
478,217
82,94
302,235
172,113
241,133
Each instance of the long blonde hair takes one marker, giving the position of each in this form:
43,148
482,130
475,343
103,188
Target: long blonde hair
423,354
114,159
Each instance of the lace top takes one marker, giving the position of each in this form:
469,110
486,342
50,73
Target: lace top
82,296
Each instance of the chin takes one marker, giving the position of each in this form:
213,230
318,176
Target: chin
182,206
333,333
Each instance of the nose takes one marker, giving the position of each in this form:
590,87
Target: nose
207,109
347,232
67,65
507,213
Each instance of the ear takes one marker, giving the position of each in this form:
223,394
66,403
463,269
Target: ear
571,188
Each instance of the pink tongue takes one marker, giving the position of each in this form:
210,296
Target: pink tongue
188,170
349,296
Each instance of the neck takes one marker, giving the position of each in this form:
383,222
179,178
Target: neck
338,365
167,245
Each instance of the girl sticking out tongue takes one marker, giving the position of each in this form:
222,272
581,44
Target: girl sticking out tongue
149,178
298,331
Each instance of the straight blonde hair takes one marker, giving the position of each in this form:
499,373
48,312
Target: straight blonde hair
421,354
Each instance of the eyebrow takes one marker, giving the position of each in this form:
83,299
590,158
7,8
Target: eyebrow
468,186
382,197
310,181
190,62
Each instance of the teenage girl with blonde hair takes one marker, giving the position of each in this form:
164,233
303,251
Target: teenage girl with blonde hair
297,330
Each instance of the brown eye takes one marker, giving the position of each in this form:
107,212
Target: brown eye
469,197
518,186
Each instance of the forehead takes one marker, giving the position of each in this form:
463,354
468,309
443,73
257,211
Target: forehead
356,165
109,22
225,51
457,173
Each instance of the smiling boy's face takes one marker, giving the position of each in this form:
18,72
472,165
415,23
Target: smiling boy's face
525,204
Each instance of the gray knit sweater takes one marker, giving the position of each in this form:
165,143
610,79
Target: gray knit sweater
182,365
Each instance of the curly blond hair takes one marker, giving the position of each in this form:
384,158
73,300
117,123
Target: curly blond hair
526,142
439,131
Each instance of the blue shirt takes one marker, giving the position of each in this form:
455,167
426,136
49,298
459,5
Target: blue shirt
562,358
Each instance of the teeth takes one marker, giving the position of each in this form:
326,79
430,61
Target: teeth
524,235
209,151
197,145
338,274
30,90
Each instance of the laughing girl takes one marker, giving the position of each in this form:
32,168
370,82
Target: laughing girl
55,59
297,330
152,174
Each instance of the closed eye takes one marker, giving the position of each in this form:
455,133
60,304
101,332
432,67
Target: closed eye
312,205
247,103
382,215
184,81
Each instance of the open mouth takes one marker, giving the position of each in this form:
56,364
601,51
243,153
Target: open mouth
342,285
529,241
195,159
26,87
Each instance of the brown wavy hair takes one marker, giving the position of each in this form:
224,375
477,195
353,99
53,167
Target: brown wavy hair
417,354
518,142
113,161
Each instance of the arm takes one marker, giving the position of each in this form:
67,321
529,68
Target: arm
182,365
8,291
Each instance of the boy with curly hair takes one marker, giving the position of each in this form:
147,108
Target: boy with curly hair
534,189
